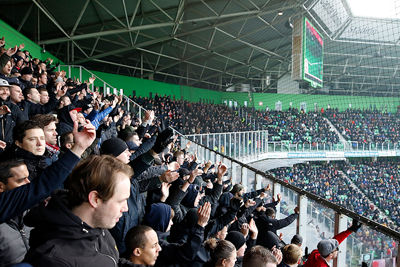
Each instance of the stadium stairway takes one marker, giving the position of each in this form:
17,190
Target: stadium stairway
333,128
355,187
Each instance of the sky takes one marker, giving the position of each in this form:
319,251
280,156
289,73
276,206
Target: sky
375,8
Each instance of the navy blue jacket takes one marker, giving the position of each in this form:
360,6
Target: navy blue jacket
18,200
136,206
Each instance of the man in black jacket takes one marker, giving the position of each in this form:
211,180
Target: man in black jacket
17,194
71,230
18,200
268,224
8,115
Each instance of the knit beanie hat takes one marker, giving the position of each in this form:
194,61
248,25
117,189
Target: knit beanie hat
191,195
158,216
297,239
236,238
183,172
113,146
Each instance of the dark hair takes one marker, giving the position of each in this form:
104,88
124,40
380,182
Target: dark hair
258,256
20,129
42,89
237,188
269,212
5,169
136,238
96,173
44,119
65,138
63,97
126,134
219,249
28,90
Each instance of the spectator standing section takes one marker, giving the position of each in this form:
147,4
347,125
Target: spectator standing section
319,219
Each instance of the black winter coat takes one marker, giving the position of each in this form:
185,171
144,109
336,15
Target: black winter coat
60,238
266,224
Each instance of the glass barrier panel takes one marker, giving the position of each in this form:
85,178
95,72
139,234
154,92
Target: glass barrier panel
223,143
260,144
319,225
240,145
370,246
289,200
251,180
229,144
236,173
265,182
213,157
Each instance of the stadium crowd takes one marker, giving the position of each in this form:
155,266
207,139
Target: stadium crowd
297,127
194,118
379,180
327,180
366,126
84,182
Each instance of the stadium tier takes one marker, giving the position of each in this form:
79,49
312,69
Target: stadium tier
200,133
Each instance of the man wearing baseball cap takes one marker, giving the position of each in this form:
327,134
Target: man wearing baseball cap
328,249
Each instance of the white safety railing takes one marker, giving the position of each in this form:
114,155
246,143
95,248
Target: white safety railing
234,144
318,218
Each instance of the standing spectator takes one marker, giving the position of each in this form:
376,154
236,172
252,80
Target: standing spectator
222,253
291,256
72,228
328,249
14,234
48,123
44,96
18,200
259,256
269,224
142,245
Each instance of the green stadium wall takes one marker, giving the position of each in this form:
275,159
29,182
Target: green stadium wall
143,87
13,38
341,102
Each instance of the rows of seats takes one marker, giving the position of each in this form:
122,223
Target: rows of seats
380,181
378,184
79,170
85,181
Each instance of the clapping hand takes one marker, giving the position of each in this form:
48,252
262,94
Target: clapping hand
169,177
203,214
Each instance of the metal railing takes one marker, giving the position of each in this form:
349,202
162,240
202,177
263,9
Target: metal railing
234,144
348,146
319,218
81,73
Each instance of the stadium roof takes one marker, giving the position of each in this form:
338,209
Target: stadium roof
214,43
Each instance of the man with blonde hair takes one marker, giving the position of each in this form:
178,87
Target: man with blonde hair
291,256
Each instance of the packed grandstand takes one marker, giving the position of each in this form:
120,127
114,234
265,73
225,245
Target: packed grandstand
96,177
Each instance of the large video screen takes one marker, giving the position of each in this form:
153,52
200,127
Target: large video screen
313,46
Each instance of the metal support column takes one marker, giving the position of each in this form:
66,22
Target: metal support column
340,225
302,221
276,191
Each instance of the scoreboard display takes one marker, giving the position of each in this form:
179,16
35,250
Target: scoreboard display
312,55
